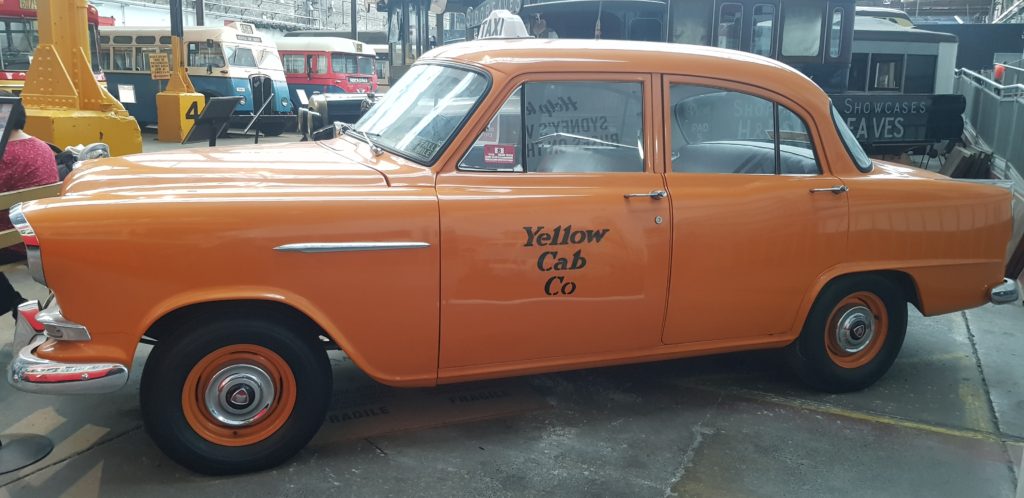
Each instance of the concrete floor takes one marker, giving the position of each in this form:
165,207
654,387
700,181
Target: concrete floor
947,420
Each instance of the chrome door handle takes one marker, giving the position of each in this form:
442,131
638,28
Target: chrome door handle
840,189
655,194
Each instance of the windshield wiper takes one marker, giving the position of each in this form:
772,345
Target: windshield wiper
374,148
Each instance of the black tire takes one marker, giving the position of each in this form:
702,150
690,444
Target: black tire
170,366
817,355
272,129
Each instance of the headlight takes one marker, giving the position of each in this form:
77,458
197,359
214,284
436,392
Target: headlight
285,102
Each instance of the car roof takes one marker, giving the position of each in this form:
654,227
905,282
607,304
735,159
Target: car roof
529,55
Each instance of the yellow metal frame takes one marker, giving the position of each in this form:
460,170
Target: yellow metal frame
64,103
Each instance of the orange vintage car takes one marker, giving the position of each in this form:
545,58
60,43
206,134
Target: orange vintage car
508,208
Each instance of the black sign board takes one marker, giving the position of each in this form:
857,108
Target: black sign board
214,119
8,107
879,120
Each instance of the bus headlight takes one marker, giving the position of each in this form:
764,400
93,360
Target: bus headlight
285,102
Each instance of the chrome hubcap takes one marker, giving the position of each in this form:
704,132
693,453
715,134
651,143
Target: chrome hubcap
239,395
855,329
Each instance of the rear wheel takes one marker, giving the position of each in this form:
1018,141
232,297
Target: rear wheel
236,395
852,335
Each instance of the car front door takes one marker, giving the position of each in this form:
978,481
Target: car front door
756,217
554,228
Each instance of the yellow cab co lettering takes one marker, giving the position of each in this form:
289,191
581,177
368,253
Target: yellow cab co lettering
554,259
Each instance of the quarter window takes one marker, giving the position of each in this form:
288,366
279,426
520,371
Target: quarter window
730,25
801,28
722,131
796,152
499,146
763,30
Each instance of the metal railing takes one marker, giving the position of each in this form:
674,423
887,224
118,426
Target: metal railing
996,114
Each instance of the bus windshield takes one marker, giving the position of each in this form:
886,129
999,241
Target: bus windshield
18,40
351,63
252,56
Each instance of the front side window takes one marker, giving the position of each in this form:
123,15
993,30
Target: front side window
801,28
583,126
294,63
857,154
763,30
420,114
691,21
730,25
835,34
205,54
722,131
564,127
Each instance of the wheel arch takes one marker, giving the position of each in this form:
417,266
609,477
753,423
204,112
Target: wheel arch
172,316
902,278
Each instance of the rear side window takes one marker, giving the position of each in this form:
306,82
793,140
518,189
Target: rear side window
727,132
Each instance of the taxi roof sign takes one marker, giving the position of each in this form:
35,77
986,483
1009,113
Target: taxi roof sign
503,24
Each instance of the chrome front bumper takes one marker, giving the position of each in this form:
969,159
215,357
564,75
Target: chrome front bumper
1005,293
30,373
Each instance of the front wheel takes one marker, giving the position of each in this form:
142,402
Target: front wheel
852,335
272,129
235,395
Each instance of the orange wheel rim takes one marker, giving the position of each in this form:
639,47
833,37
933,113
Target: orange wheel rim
238,395
856,330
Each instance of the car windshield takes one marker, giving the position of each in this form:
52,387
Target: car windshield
351,63
419,114
850,141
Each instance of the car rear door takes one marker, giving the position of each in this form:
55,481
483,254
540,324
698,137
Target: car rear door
756,215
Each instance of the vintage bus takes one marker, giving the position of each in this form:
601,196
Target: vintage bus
375,40
20,35
327,65
231,60
816,37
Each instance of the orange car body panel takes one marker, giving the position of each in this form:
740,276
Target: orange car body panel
725,263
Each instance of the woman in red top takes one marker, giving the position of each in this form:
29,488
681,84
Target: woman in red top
27,162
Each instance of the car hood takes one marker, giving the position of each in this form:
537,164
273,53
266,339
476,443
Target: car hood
245,168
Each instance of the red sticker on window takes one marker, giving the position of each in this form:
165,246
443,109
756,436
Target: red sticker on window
499,154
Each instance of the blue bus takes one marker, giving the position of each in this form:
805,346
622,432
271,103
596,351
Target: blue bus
224,61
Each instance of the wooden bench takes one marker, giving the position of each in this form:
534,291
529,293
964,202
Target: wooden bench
11,237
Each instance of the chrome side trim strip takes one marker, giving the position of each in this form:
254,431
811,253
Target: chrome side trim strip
313,247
